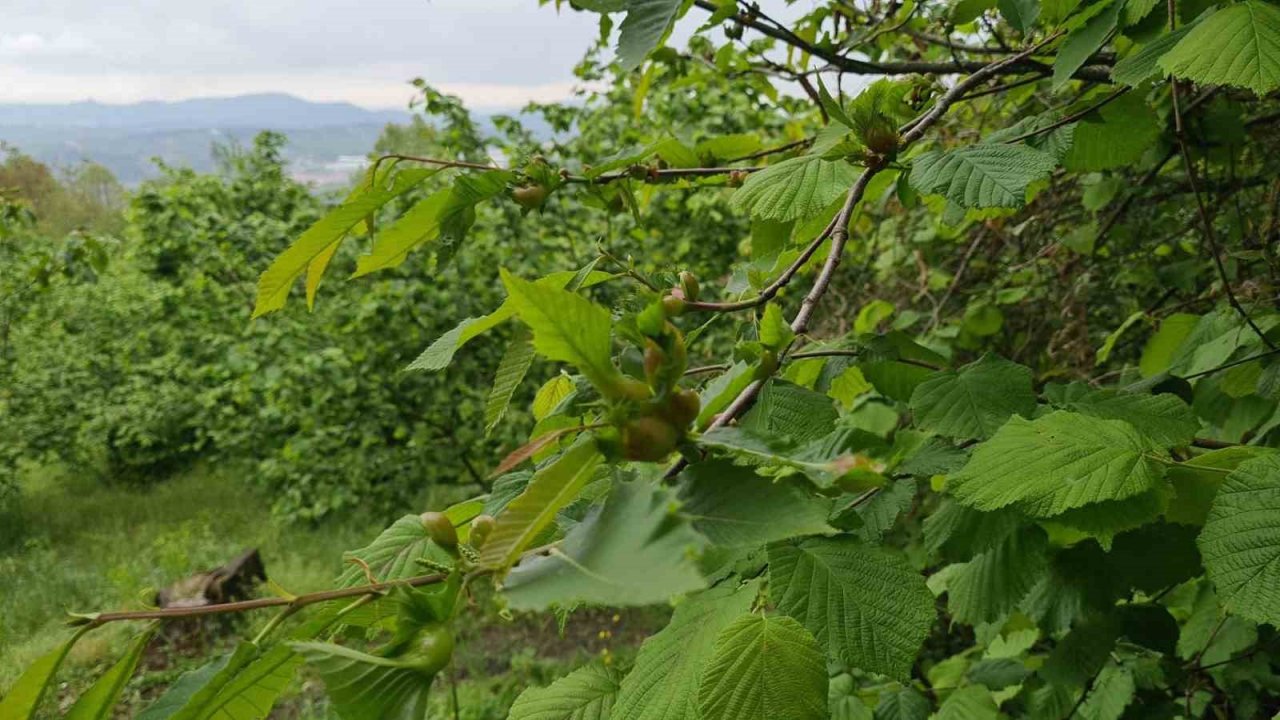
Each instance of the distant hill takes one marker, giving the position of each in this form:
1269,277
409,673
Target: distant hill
274,110
325,139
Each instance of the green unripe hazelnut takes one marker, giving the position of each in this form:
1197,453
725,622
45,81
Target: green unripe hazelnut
654,362
440,529
682,407
629,388
672,304
689,284
431,651
530,197
481,528
648,439
768,365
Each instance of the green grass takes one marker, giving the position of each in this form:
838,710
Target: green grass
74,544
77,545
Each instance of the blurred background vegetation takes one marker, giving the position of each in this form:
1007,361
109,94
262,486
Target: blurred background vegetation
151,430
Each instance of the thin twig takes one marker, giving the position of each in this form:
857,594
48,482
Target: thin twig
955,282
840,233
1229,365
1206,221
1088,687
299,601
774,287
656,174
772,151
439,162
1094,73
1073,117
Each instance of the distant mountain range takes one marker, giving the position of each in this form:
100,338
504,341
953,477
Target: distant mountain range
325,139
275,111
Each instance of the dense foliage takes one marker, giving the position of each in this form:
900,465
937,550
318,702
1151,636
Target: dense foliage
947,392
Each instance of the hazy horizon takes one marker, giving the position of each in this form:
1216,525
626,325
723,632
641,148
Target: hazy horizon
66,51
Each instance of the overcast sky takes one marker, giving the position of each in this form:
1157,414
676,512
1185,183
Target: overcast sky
493,53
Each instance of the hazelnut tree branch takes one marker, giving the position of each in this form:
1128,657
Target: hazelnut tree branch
1096,72
910,133
297,602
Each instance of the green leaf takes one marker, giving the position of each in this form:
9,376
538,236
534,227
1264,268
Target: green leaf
1085,41
1240,542
668,671
1055,11
1215,338
1163,418
394,554
676,154
775,332
275,282
993,583
969,703
251,694
794,189
765,668
897,380
844,701
511,371
440,353
1119,137
792,411
1110,694
567,327
646,23
1022,14
252,691
866,605
1104,520
834,109
552,393
871,315
904,703
1058,462
981,176
966,11
1153,557
876,516
367,687
1002,670
1238,46
1161,350
721,391
974,401
823,461
635,550
734,507
195,691
1142,64
587,693
1083,652
445,215
728,147
24,697
956,532
181,691
316,269
98,701
551,489
1196,481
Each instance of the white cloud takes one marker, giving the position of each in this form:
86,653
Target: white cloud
494,53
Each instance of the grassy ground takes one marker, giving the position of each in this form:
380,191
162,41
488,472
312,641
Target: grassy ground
72,544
